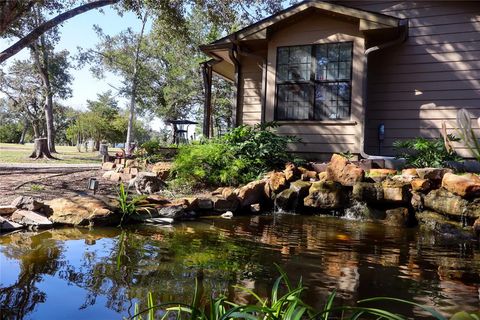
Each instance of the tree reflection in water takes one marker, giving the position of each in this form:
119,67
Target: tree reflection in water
358,259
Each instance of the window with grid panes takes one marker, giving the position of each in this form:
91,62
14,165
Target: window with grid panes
314,82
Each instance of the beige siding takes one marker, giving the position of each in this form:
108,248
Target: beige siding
251,87
416,86
320,138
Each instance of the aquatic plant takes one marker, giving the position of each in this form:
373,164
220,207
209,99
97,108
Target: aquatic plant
128,206
286,306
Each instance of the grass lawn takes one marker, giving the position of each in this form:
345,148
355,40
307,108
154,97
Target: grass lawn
18,153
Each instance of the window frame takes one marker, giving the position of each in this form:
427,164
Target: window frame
313,82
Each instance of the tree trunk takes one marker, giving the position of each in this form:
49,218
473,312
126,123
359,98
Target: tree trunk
49,122
24,132
41,150
44,27
133,96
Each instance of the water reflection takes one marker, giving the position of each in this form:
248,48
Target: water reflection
102,274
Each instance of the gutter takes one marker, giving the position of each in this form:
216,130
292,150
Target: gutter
403,24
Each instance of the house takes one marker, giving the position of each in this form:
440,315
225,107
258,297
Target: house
353,75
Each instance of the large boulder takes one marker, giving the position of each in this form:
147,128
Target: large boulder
399,217
379,175
292,198
276,182
82,211
221,204
395,191
340,170
248,194
324,195
31,219
291,172
466,186
421,185
147,183
27,203
445,202
367,192
438,223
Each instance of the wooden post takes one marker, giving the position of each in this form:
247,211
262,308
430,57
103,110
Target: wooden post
207,108
103,150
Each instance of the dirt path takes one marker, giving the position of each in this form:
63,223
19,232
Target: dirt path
45,182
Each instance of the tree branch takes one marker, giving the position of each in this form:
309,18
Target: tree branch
37,32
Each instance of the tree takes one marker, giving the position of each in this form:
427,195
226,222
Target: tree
13,11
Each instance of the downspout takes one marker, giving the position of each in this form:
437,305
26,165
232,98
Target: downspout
402,38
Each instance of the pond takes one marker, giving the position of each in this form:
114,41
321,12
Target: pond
101,273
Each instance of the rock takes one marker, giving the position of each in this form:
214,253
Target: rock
108,166
292,198
116,177
445,202
162,169
250,193
217,191
309,176
223,205
173,211
7,210
324,195
27,203
421,185
157,199
131,163
368,192
476,227
6,225
255,208
396,191
440,224
227,215
277,182
164,221
381,174
322,176
108,174
229,193
291,172
284,201
433,173
399,217
82,211
410,172
147,183
205,204
417,200
319,167
466,186
30,218
340,170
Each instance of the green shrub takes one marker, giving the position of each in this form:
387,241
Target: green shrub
240,156
421,152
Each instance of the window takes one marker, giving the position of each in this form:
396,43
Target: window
314,82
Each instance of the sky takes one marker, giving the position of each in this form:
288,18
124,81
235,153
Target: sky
78,31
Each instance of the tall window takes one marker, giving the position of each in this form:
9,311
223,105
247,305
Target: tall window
314,82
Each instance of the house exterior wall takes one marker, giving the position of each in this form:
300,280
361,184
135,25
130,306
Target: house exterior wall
414,87
320,138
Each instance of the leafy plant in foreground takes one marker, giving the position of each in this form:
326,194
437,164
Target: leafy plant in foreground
286,306
422,152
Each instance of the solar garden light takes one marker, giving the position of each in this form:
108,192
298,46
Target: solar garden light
92,185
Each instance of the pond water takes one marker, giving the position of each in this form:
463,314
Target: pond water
101,274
